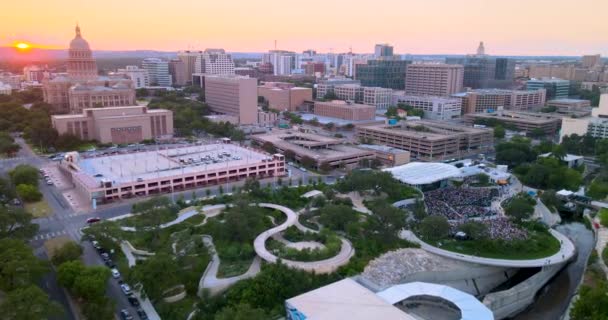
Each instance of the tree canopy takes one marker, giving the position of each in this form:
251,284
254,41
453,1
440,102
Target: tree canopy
18,265
26,303
434,227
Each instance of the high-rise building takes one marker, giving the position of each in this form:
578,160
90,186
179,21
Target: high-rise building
483,71
590,61
433,79
214,61
556,88
82,87
435,108
383,50
33,73
233,95
177,69
189,59
137,75
158,72
388,73
282,61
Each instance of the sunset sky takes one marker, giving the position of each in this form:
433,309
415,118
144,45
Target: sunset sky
508,27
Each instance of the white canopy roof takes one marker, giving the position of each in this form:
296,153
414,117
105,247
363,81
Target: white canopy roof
417,173
470,307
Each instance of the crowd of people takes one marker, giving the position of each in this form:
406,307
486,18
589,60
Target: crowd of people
498,228
457,203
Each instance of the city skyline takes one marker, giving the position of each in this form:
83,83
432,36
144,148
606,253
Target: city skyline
432,27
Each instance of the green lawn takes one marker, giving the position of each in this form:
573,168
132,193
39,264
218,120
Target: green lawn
38,209
540,244
233,268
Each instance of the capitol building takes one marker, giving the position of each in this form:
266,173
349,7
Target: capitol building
81,87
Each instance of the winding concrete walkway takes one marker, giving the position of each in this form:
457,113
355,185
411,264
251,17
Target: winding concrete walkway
566,252
215,285
321,266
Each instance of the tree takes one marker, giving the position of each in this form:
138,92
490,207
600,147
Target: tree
101,308
18,265
68,271
24,174
68,252
386,221
325,167
483,179
241,311
337,217
16,223
519,208
91,283
157,274
474,229
592,303
537,133
28,303
499,132
269,147
28,193
307,161
434,227
289,154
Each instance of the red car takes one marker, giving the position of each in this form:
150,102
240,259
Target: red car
93,220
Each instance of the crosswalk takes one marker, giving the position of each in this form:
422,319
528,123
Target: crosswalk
74,234
57,216
13,159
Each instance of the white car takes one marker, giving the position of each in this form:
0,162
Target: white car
125,288
115,273
49,182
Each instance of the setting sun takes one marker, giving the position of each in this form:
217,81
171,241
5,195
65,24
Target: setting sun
22,45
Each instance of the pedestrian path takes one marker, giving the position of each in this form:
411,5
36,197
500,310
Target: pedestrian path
75,234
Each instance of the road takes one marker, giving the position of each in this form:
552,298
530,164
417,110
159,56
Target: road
66,221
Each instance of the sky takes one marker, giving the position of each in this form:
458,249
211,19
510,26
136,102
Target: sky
508,27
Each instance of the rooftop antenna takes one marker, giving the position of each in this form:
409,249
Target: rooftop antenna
275,44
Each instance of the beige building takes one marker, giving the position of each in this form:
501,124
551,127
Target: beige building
116,124
430,140
433,79
344,110
381,98
232,95
284,96
590,61
82,87
484,100
267,118
524,121
388,156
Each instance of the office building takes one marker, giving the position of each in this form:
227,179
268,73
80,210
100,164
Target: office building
214,61
528,122
389,73
489,100
323,150
433,79
313,68
556,88
33,73
155,172
383,50
596,125
158,72
282,61
429,140
177,70
284,96
82,87
232,95
381,98
483,71
189,59
434,107
5,89
13,80
569,105
344,110
590,61
137,75
119,125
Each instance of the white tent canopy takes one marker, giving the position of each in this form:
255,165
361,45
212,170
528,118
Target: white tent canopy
419,173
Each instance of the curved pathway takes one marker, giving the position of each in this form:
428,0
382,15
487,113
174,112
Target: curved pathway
321,266
566,252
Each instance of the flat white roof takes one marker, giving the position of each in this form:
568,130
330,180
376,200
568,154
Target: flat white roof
125,168
345,299
417,173
567,158
470,307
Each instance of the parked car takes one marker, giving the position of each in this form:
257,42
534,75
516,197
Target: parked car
125,315
142,314
49,182
110,264
115,273
125,288
96,244
105,256
133,301
93,220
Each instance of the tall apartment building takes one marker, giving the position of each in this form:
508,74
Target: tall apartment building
483,71
189,59
214,61
345,110
232,95
433,79
556,88
388,73
284,96
282,61
116,124
137,75
177,70
158,72
383,50
434,107
489,100
590,61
